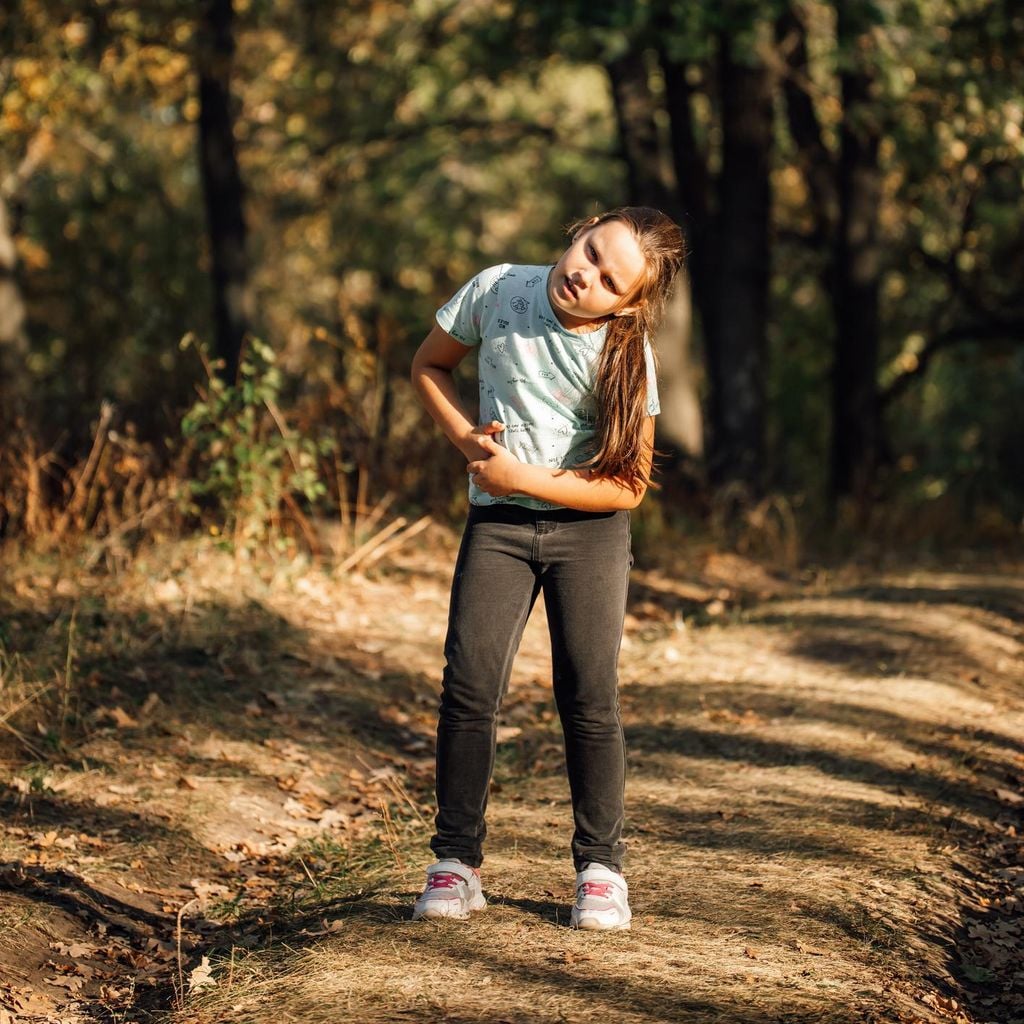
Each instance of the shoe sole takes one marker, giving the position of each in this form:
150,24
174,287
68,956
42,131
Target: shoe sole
591,923
441,911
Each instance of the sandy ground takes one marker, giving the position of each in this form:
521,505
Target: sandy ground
227,819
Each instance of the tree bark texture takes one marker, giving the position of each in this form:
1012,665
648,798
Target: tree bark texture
856,276
737,281
222,184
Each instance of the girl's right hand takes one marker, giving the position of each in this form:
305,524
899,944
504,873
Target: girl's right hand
472,448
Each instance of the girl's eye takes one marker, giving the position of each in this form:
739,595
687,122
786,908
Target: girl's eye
609,284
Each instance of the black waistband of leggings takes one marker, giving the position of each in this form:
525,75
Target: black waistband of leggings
510,513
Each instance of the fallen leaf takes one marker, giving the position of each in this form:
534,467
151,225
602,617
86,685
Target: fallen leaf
204,890
121,718
332,818
73,949
201,977
72,984
329,928
810,950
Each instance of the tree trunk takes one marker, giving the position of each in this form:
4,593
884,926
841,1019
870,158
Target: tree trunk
737,281
856,272
13,341
635,111
222,184
681,423
680,426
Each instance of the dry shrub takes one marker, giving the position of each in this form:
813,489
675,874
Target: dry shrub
117,490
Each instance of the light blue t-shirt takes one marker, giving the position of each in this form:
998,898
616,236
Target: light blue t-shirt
535,376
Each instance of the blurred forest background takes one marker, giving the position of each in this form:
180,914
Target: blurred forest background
225,227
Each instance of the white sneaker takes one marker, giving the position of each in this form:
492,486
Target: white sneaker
452,890
602,902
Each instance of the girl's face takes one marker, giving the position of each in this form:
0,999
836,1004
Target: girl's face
597,275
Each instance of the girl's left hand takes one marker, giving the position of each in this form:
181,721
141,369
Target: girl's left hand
497,475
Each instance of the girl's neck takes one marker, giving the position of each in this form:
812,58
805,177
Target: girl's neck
582,326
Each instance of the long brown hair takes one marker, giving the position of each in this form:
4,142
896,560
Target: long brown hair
620,388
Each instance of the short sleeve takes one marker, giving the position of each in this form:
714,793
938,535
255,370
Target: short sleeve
653,399
462,315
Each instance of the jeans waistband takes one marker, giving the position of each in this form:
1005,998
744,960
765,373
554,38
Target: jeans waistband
509,513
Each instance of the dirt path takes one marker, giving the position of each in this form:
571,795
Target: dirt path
824,799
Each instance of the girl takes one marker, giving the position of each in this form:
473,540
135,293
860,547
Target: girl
567,381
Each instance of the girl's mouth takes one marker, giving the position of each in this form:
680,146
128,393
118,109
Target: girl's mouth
569,289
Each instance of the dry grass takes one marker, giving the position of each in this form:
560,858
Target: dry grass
816,774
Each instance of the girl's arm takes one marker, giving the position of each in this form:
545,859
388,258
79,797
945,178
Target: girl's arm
432,378
500,473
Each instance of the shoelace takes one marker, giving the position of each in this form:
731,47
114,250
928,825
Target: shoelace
597,889
443,880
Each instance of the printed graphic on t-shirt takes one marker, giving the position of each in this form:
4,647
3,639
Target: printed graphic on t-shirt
535,377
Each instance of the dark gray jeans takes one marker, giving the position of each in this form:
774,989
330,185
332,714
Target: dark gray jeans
581,561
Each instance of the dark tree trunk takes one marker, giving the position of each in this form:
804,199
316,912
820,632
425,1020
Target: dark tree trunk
635,110
737,280
692,187
856,271
222,183
726,221
651,183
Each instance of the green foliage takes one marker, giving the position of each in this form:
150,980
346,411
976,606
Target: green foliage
391,150
246,464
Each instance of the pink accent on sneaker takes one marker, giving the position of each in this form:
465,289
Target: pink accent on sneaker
602,902
443,880
452,890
